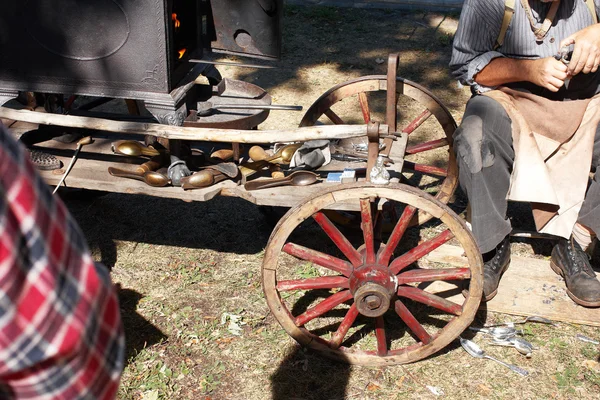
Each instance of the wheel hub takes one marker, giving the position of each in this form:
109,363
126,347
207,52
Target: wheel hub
373,288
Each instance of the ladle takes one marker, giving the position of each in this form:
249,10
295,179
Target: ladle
133,148
474,350
298,178
151,178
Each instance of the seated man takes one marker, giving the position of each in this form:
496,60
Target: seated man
530,131
61,335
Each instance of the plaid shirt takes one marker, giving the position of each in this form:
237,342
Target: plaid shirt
61,335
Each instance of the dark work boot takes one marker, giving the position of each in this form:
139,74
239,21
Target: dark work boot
494,267
573,264
495,263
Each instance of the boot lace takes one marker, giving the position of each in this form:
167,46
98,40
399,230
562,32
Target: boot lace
580,260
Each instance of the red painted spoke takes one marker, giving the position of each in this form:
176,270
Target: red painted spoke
334,117
323,307
426,169
382,349
420,251
339,239
323,282
429,299
316,257
433,144
412,322
342,330
430,275
364,107
367,228
396,236
415,123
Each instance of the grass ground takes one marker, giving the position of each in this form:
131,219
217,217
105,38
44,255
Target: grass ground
197,324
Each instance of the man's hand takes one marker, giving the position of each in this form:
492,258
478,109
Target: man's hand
586,52
548,73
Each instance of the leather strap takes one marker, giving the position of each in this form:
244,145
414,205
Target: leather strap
541,31
509,11
592,7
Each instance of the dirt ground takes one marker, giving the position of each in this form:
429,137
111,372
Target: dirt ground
197,323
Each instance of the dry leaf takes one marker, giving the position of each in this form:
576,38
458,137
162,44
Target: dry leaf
400,381
591,365
372,387
483,389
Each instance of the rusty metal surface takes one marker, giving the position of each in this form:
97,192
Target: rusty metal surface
231,91
249,28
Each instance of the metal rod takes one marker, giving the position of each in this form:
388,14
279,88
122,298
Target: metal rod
233,64
256,107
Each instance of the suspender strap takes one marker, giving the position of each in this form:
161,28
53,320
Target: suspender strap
509,10
592,7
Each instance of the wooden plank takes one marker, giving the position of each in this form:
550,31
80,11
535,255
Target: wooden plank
187,133
528,287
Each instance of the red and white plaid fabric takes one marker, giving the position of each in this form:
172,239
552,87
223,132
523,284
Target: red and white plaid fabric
61,335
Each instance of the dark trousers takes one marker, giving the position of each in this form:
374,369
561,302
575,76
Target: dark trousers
484,152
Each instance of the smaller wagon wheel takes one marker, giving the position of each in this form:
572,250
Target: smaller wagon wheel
361,302
429,162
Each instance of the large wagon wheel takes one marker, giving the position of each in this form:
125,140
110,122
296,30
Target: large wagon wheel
429,162
361,303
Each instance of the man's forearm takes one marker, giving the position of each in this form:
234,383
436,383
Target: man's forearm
505,70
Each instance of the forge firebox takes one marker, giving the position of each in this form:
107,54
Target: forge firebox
134,49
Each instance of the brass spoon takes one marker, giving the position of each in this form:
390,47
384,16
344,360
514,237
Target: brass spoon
283,156
298,178
151,178
257,153
202,179
133,148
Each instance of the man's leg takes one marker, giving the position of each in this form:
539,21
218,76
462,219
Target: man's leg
589,215
483,143
569,259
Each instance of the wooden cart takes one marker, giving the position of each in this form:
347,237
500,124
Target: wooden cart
368,295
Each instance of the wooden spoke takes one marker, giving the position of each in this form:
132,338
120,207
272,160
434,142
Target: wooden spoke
429,299
364,107
433,144
342,331
334,117
323,307
339,239
382,348
415,123
420,251
367,228
430,275
426,169
396,236
412,322
316,257
323,282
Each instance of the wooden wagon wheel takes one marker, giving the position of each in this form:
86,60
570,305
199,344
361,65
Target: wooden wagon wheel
360,303
429,159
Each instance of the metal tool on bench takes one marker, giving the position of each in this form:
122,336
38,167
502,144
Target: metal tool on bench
207,107
151,178
133,148
82,142
298,178
282,156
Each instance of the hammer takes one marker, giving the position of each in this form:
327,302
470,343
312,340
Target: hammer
82,142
